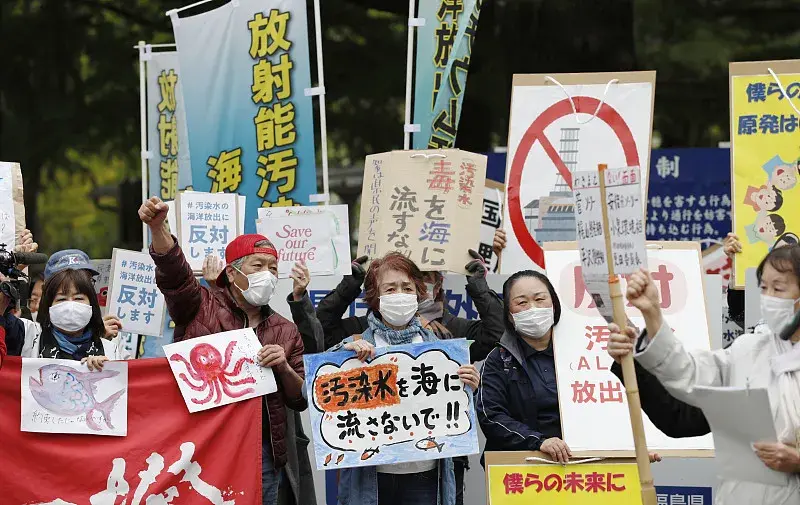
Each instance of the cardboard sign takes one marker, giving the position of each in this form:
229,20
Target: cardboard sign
134,295
412,202
207,223
101,408
407,404
491,221
8,231
316,236
562,123
587,388
765,161
219,369
591,483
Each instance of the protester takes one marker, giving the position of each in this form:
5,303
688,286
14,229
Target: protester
247,286
758,359
70,323
36,283
298,466
394,287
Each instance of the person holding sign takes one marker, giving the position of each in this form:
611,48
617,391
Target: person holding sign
765,358
394,289
246,287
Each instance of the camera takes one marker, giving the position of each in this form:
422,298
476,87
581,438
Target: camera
15,283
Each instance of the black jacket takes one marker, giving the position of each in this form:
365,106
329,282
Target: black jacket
485,332
673,417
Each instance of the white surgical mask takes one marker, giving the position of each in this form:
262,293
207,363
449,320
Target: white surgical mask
534,322
260,287
777,312
398,309
70,316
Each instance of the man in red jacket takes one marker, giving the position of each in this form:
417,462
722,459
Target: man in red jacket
246,286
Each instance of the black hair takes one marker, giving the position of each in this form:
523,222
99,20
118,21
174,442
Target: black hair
509,324
778,222
778,200
784,259
82,280
786,239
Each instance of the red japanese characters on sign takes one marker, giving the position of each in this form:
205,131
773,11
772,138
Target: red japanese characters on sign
573,482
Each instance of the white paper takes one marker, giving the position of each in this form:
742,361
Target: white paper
319,236
219,369
172,220
491,221
134,296
7,223
242,207
63,396
102,282
739,418
208,223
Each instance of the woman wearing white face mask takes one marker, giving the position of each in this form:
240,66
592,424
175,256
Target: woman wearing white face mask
763,359
517,402
394,287
71,325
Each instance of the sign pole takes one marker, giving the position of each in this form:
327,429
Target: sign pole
143,120
628,370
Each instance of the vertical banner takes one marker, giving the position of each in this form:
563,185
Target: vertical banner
170,170
444,48
245,68
491,221
7,221
561,123
765,158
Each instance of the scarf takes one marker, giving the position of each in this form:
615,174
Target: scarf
785,365
395,337
60,344
430,309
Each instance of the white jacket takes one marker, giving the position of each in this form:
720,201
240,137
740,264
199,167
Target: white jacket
746,363
113,349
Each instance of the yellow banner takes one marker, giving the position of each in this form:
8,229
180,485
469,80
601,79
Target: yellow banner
588,484
766,196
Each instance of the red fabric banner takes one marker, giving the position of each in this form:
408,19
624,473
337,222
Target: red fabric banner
169,456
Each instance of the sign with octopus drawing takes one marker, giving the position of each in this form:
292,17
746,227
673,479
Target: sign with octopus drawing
219,369
407,404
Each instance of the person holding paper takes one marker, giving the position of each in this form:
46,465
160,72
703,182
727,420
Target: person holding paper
246,287
394,289
768,358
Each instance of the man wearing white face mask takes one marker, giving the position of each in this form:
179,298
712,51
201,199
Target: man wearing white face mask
246,287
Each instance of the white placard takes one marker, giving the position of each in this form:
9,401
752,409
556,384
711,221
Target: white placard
7,221
63,396
318,236
219,369
102,282
491,221
134,296
587,388
208,223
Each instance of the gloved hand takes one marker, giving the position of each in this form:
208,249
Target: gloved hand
477,267
359,272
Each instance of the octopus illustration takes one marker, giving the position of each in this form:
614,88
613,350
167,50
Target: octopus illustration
206,366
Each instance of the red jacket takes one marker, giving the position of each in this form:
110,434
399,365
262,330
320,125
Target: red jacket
198,311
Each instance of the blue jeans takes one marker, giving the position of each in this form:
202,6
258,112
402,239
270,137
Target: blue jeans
270,478
408,489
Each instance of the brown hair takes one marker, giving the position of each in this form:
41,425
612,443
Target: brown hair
82,280
392,261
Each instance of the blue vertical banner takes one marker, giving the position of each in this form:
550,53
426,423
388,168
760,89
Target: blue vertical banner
169,165
245,67
444,48
689,195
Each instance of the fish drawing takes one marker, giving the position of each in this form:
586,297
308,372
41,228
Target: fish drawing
328,459
339,459
67,392
426,444
368,453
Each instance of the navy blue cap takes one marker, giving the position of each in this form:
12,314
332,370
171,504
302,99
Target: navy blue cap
72,259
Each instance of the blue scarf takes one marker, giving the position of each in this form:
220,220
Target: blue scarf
396,337
75,346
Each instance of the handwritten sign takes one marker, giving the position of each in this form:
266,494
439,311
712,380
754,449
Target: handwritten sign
63,396
412,202
102,282
318,236
576,484
219,369
207,223
407,404
134,296
491,221
7,222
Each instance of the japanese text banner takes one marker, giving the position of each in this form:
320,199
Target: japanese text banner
444,48
170,170
245,67
407,404
208,457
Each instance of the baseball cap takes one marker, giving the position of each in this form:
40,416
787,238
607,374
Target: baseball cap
245,245
72,259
